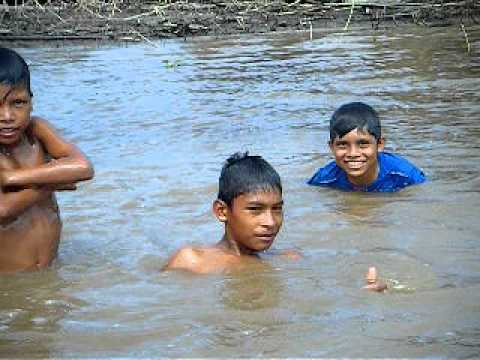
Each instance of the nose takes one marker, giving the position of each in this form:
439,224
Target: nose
5,113
353,150
270,219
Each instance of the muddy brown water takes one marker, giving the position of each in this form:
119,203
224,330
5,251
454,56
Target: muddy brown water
158,122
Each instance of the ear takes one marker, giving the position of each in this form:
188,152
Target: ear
220,209
330,145
381,143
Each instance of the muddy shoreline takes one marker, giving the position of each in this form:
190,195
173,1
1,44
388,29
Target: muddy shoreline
125,20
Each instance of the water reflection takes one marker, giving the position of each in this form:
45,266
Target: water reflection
32,307
256,288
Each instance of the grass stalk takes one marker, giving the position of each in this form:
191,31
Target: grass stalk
349,16
469,47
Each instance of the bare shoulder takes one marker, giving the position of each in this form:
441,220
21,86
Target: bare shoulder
201,260
183,258
187,258
39,121
40,127
37,124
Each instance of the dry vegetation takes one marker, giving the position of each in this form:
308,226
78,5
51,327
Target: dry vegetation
143,20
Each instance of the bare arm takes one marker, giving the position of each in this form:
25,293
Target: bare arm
12,204
70,165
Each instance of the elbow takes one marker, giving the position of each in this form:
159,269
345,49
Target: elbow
89,172
86,171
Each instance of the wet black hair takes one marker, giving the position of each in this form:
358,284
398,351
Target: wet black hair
243,174
354,115
14,70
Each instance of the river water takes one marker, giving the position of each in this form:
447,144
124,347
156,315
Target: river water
158,122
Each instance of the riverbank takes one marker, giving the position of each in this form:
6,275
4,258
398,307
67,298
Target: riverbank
127,20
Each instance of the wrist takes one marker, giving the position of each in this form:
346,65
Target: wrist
7,178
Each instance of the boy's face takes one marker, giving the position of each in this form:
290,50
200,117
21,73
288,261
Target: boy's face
356,153
15,109
254,220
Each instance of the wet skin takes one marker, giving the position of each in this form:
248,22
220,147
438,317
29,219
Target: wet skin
28,240
252,222
356,153
30,223
373,282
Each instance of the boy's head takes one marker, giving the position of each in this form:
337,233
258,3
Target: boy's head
243,174
249,202
355,115
355,140
14,70
15,97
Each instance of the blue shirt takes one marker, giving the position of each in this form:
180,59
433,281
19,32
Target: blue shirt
394,174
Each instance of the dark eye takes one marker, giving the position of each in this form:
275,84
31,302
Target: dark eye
254,209
278,209
341,146
18,103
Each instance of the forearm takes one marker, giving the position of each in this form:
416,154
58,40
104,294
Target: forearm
13,204
60,171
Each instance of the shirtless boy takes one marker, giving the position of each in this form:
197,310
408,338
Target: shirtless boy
250,205
35,161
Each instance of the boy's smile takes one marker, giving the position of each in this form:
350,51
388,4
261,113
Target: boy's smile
254,220
15,109
356,154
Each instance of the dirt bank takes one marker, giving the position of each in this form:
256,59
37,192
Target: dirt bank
129,20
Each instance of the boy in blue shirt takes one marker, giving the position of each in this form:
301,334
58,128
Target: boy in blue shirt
360,162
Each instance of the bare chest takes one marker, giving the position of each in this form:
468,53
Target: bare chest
27,154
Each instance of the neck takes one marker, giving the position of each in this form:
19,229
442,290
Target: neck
9,149
6,150
367,179
228,243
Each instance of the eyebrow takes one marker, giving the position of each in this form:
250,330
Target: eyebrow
7,94
340,141
256,202
11,92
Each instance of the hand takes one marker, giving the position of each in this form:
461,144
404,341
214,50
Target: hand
373,283
292,254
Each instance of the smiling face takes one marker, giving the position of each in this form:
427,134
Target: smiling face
252,221
356,153
15,110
